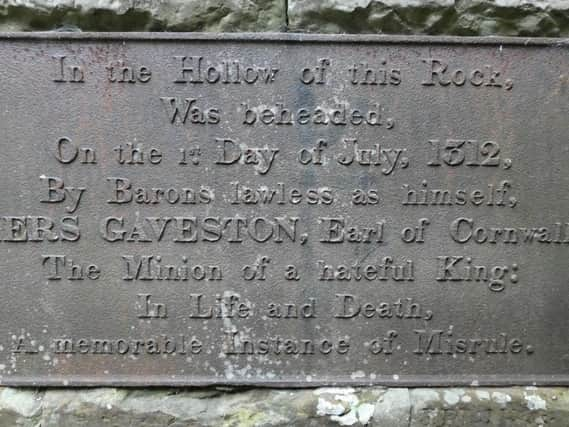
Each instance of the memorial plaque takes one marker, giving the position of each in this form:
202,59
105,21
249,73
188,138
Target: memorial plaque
284,210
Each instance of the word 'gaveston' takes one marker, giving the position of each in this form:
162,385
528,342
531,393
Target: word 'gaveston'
189,229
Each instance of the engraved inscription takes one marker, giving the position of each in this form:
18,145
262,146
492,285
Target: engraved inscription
299,210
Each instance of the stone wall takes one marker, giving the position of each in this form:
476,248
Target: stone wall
434,17
375,406
477,407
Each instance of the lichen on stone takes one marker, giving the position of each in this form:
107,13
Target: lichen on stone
205,407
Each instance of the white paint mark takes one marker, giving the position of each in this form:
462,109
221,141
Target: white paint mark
501,398
535,402
333,390
365,412
482,395
325,407
452,397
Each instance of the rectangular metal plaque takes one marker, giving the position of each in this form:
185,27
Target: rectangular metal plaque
283,210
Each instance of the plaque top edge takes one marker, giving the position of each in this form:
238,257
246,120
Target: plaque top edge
283,37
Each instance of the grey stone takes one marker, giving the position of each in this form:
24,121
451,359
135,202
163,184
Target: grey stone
393,408
143,15
432,17
374,407
473,407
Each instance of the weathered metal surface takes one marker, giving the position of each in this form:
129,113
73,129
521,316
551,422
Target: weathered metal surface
283,210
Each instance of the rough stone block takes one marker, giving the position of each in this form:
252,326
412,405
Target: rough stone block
374,407
432,17
143,15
